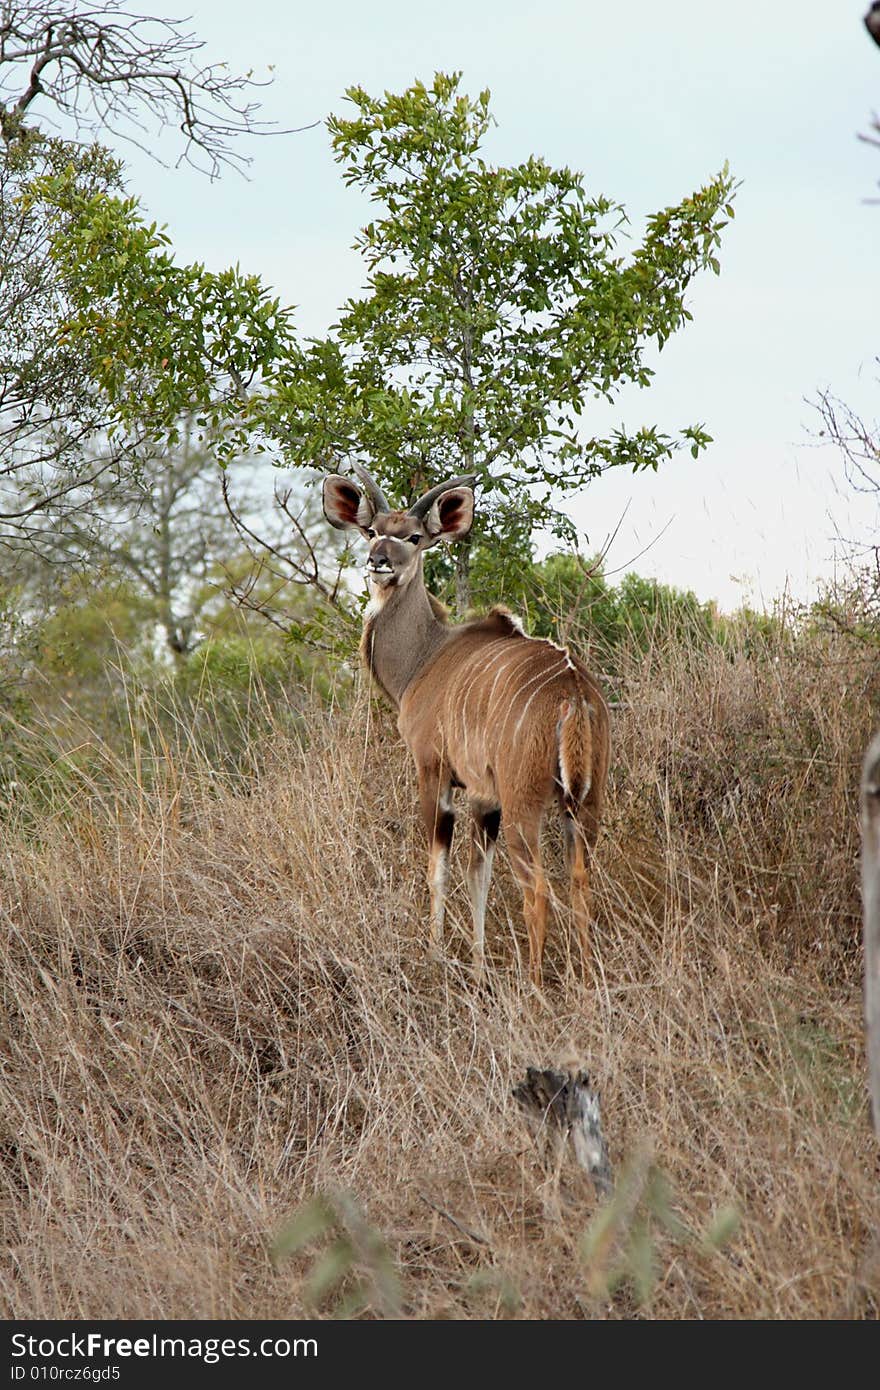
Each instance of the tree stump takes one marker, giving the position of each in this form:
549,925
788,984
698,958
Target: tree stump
565,1105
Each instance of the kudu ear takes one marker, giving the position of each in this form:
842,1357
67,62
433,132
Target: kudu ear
451,516
345,505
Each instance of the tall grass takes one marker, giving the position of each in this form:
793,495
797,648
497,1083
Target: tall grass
217,1003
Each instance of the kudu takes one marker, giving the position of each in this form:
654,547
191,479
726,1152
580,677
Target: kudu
516,721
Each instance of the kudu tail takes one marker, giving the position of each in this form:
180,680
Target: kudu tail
574,736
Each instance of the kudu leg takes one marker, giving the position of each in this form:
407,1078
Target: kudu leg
484,833
524,843
580,838
439,821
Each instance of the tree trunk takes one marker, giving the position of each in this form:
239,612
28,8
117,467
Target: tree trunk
463,549
871,905
462,577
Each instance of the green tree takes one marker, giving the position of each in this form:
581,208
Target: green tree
174,532
53,417
95,631
568,599
498,307
162,528
162,341
70,294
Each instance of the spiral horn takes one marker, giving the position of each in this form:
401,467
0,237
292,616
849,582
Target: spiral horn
373,490
424,504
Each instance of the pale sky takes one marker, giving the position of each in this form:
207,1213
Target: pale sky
648,100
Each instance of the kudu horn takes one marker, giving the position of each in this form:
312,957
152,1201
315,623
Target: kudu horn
374,492
424,504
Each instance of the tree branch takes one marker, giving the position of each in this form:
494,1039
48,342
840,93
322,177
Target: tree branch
101,65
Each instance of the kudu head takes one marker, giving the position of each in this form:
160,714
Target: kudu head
397,539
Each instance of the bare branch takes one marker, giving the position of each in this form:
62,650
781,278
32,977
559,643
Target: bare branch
858,442
111,70
299,565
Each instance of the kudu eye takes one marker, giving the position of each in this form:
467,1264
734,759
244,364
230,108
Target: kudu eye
370,532
414,539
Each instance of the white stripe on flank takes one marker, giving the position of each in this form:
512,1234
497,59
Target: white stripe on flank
481,668
498,674
512,694
552,677
483,664
484,723
541,676
516,624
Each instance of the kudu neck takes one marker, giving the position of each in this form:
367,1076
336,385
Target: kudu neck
401,633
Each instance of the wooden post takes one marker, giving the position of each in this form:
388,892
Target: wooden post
871,918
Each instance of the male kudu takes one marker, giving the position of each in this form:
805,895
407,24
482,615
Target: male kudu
518,722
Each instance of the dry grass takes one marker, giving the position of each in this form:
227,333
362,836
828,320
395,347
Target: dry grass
217,1003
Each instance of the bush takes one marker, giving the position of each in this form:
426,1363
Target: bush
570,600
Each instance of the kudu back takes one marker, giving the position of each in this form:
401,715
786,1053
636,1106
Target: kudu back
516,721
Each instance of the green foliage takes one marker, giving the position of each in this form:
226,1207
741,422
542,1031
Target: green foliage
755,633
851,605
161,339
50,404
232,663
353,1273
500,571
105,339
621,1246
87,681
647,608
569,599
93,631
498,308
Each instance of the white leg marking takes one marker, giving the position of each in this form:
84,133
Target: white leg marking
438,877
479,877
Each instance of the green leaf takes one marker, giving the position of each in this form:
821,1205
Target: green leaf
312,1220
722,1229
328,1270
